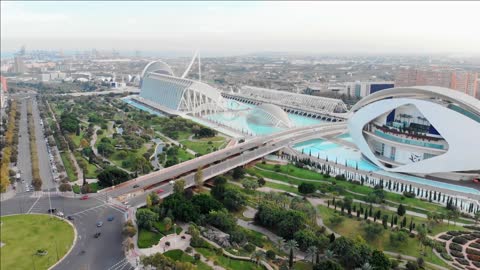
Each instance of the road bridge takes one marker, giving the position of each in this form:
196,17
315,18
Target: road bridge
216,163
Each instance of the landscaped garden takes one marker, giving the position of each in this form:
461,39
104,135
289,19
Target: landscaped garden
462,248
33,241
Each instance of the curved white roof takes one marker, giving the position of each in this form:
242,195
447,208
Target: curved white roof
271,114
157,66
458,130
418,92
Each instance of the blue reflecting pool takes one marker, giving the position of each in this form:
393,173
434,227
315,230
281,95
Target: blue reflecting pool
325,149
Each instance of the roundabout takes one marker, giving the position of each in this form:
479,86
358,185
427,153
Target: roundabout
34,241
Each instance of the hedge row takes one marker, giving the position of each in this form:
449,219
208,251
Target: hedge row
473,258
36,179
9,152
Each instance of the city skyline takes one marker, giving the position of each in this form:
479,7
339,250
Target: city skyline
236,28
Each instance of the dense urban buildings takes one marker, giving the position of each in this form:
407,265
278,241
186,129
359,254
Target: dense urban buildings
460,80
423,130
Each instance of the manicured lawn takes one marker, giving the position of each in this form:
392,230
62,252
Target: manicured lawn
76,139
413,204
91,172
160,226
286,188
68,167
93,186
181,256
228,263
23,235
351,228
148,239
202,147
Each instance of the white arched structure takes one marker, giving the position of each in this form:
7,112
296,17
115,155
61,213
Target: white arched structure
271,115
320,104
448,145
182,95
158,67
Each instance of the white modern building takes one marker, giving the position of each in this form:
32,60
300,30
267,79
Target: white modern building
269,115
421,130
178,94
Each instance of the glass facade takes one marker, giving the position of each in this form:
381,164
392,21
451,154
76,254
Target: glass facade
166,91
408,141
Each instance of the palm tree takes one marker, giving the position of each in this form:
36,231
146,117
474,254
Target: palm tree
258,256
312,251
329,254
291,245
366,266
281,243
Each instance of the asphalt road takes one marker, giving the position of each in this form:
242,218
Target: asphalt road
24,163
43,158
100,253
219,162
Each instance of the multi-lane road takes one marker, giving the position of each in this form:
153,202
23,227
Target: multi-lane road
213,164
105,252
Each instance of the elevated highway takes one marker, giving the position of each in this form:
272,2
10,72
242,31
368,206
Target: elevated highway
215,163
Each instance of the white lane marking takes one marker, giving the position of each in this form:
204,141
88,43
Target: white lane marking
33,204
119,263
91,208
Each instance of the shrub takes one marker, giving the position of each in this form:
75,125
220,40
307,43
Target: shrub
457,254
249,247
455,233
197,257
460,240
473,251
474,258
445,237
471,227
188,250
454,246
409,194
271,254
446,256
469,237
475,245
462,261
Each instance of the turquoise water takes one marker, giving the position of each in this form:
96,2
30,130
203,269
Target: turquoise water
238,119
325,149
141,107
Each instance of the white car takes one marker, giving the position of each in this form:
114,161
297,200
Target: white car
60,214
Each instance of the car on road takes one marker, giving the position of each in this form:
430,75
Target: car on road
70,218
100,224
84,197
60,214
52,210
159,191
96,235
111,218
136,186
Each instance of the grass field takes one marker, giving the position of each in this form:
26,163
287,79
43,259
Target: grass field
351,228
68,167
413,204
228,263
148,239
180,256
23,235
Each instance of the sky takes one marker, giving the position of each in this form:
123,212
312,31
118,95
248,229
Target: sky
244,27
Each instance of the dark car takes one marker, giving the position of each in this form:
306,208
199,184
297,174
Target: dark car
96,235
111,218
70,218
52,210
136,186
